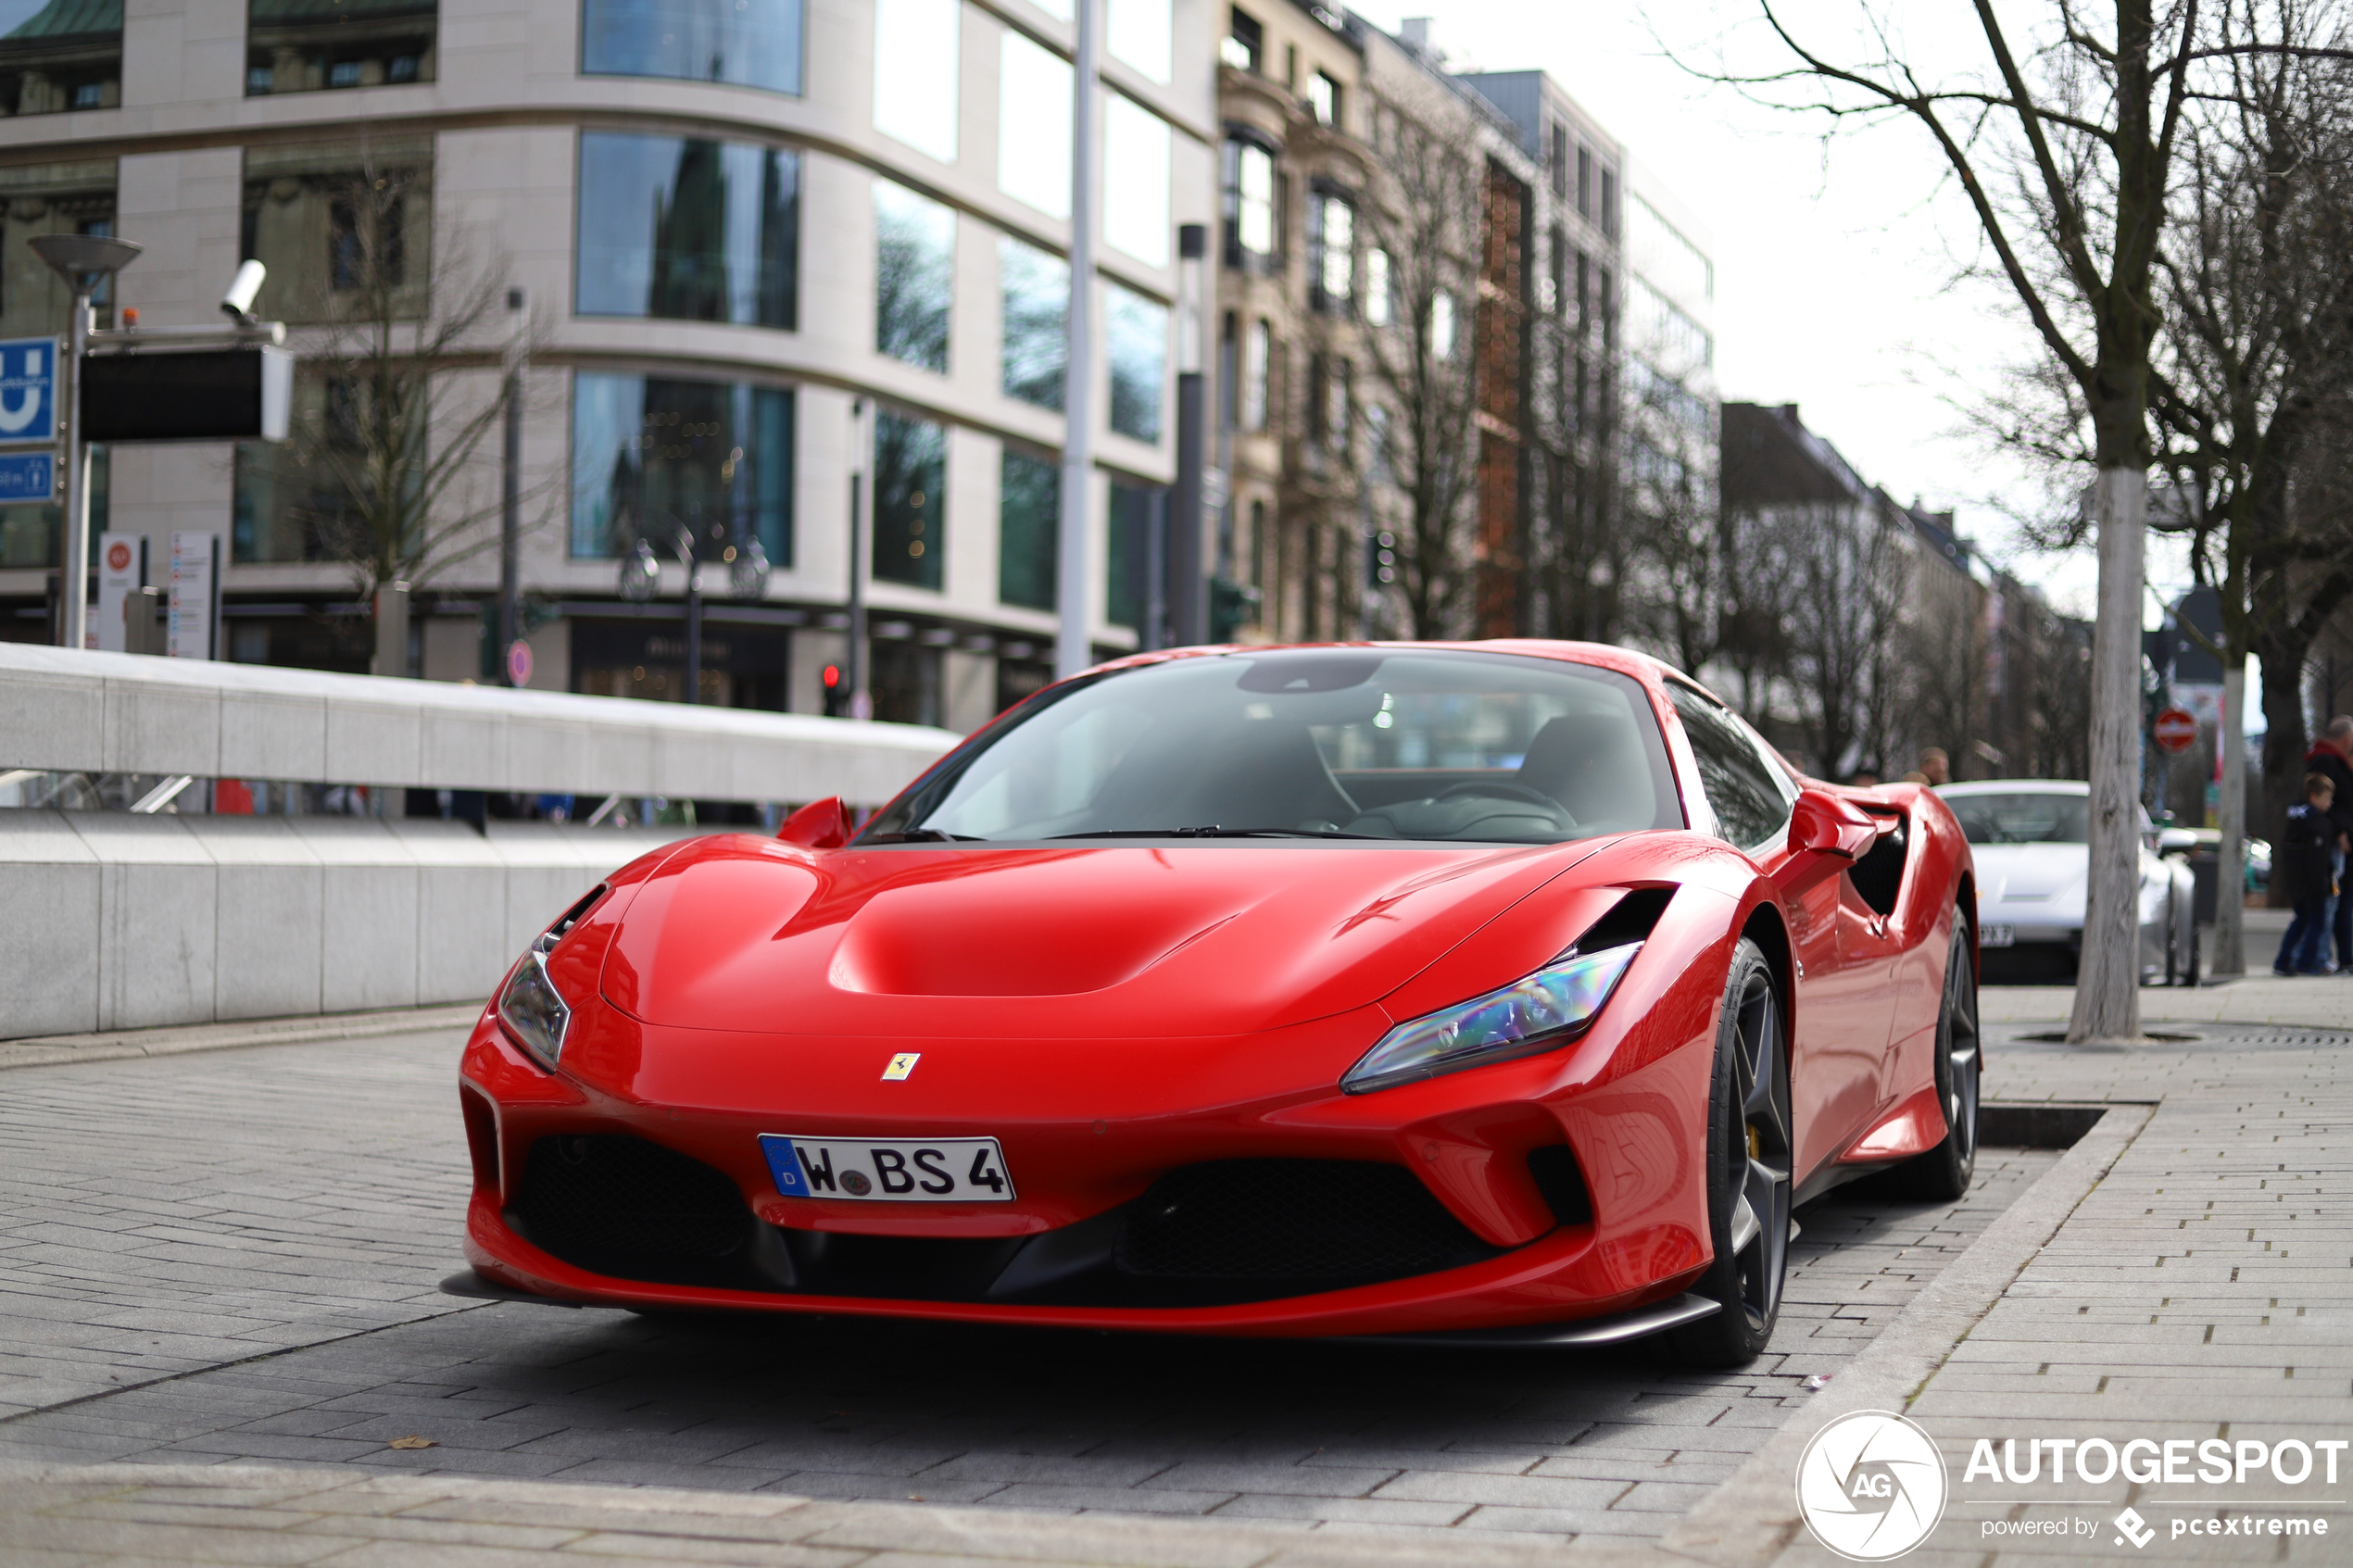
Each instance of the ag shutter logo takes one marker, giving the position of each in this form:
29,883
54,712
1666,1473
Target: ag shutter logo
1871,1485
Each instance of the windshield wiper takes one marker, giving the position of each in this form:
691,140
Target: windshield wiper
927,835
1212,831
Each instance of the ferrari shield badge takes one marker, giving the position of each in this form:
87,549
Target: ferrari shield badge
901,1065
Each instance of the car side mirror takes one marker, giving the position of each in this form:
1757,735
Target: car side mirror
820,824
1826,833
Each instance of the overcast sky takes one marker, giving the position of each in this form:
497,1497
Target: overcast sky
1835,266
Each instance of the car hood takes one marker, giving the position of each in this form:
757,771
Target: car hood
748,935
2030,874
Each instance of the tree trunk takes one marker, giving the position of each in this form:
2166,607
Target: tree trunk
2230,876
2107,999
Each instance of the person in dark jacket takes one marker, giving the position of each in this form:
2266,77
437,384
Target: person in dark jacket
2306,858
2332,758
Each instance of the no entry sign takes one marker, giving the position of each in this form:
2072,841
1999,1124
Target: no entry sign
2175,730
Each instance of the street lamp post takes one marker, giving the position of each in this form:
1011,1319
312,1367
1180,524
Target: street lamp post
85,261
1074,564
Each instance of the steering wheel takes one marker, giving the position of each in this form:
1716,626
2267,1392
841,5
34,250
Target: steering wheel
1500,788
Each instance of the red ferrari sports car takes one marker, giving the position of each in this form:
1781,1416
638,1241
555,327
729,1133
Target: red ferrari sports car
1497,993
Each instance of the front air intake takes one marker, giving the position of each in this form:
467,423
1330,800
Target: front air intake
1308,1224
633,1210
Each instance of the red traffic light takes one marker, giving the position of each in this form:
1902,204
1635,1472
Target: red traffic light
832,676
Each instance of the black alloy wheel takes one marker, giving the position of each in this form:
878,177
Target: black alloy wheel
1750,1152
1943,1173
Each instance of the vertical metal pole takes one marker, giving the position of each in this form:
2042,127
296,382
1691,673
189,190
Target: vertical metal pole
73,560
1156,627
694,621
510,507
861,702
1187,572
1074,564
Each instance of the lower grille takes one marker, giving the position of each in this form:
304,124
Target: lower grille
1295,1221
633,1210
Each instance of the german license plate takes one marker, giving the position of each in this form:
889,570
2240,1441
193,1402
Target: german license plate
889,1170
1997,936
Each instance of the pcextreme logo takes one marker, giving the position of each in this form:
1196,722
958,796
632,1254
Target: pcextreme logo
1871,1485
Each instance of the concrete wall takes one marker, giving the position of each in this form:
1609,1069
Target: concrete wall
69,710
123,922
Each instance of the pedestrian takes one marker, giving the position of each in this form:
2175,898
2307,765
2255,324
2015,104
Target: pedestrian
2332,758
1863,778
1935,767
2307,859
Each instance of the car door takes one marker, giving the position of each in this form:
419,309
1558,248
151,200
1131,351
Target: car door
1843,1012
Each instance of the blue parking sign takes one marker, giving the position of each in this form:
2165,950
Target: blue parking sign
28,389
28,477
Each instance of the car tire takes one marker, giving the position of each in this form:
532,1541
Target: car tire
1750,1152
1943,1173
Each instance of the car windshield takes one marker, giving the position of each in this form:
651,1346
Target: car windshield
1373,744
2023,818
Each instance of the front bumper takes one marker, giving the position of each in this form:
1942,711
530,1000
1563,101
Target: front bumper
1626,1106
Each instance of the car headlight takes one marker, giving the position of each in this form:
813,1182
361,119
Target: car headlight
1540,1014
533,1011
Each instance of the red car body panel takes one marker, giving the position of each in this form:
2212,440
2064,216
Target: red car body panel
1109,1013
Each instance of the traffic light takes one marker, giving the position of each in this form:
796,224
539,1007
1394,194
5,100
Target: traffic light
1380,559
837,692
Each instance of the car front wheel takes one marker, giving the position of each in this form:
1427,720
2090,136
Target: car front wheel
1749,1158
1943,1173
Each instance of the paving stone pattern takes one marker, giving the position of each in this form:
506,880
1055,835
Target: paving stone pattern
2204,1290
171,1215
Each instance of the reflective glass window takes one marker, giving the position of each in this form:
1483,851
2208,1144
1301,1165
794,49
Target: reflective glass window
910,502
1034,287
317,496
1029,494
59,55
689,230
914,275
1752,799
915,73
748,43
1250,205
308,45
1033,125
346,228
1136,182
650,454
1140,32
1135,338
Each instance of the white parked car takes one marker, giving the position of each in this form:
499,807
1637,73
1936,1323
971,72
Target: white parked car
2029,838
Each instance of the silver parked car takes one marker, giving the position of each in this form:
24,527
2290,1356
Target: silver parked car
2030,841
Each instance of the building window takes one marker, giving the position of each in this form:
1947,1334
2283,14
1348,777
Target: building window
915,73
1560,160
302,46
1127,551
1250,206
1323,99
345,228
1136,338
1377,287
1557,278
1441,325
1035,288
310,497
1244,43
1584,181
1141,32
650,454
62,56
1609,202
689,230
1258,358
746,42
1029,499
1331,251
914,275
910,502
1136,201
1033,125
1328,398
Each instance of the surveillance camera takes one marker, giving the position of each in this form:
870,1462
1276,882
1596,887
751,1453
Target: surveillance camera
237,304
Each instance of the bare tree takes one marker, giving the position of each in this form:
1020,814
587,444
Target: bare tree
2066,152
1422,216
402,379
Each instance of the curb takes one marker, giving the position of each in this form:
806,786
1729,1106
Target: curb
58,1050
1751,1520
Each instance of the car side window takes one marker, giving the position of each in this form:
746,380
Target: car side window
1750,806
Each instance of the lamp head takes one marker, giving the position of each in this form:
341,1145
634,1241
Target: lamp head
82,261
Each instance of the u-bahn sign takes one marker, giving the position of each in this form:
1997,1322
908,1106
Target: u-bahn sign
28,391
